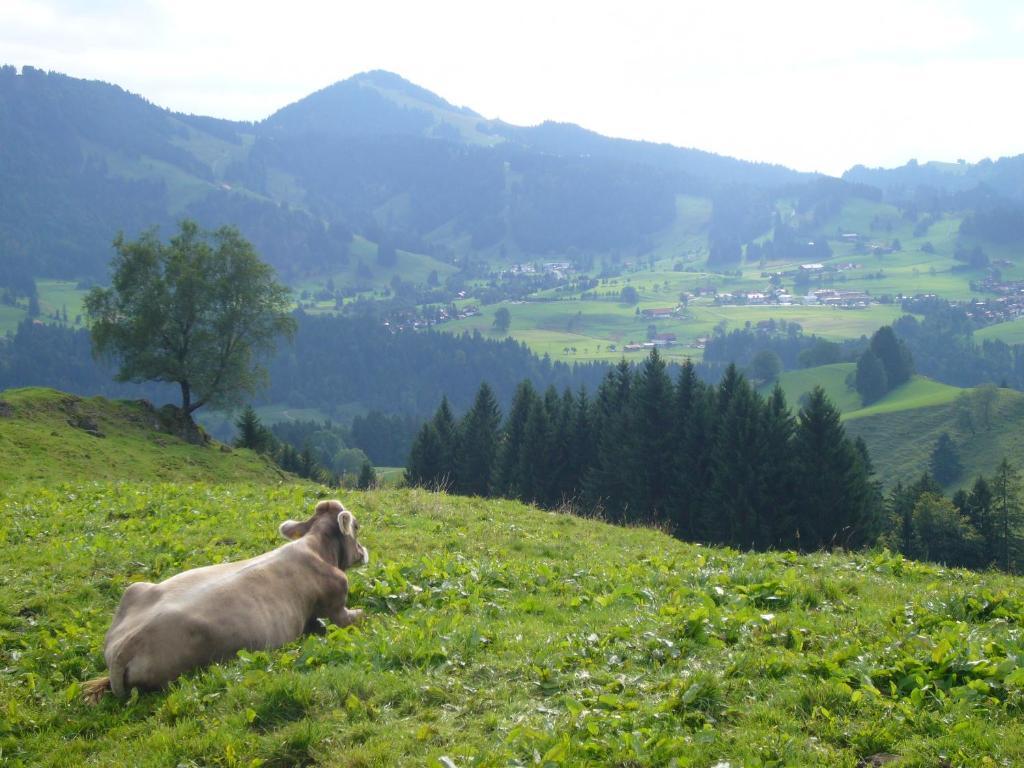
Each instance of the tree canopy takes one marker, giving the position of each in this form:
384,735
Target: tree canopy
197,311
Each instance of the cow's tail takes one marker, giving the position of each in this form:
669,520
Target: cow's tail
93,690
116,682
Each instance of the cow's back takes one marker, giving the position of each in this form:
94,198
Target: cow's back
207,614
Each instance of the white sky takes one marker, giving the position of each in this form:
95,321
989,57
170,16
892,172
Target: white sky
815,85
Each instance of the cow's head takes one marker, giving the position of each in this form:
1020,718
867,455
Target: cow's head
333,520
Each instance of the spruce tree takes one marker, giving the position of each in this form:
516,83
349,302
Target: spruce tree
653,397
779,471
945,460
610,479
894,356
251,432
833,489
689,436
535,468
447,440
367,477
979,512
871,381
478,444
507,480
737,463
423,467
1006,515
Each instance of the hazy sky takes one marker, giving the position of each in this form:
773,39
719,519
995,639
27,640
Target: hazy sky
815,85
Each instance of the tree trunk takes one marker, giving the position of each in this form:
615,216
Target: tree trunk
186,398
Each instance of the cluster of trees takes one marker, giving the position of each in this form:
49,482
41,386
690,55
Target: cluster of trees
332,364
712,463
306,449
883,366
784,339
979,528
944,349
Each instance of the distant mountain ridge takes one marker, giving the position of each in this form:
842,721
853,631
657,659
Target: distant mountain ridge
375,156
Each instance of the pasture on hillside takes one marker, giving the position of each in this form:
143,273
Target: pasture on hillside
500,635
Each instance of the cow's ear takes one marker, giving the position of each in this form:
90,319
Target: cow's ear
345,520
292,529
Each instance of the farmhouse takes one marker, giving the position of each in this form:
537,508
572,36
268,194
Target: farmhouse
660,313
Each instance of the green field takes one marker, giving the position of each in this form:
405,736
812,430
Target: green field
902,428
919,392
497,634
900,441
1011,332
556,327
831,378
48,436
10,317
60,296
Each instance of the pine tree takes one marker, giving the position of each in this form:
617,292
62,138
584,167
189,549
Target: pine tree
447,443
653,397
691,419
945,460
833,489
779,471
979,512
894,356
941,533
1006,514
307,463
251,433
478,445
580,456
535,470
610,478
507,480
871,381
423,467
737,464
367,477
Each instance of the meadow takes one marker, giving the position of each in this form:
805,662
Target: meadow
501,635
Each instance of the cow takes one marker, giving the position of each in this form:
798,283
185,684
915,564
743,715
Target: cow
160,631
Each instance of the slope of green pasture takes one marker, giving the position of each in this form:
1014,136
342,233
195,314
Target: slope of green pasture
61,296
901,441
1011,332
831,378
590,326
10,317
919,392
499,635
48,436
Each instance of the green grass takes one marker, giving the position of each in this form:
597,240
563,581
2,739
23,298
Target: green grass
10,317
46,437
1011,332
555,327
831,378
901,441
500,635
919,392
60,295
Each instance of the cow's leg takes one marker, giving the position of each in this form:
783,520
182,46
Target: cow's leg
336,610
314,627
343,616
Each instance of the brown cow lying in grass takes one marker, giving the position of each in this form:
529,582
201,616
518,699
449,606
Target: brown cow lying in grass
161,631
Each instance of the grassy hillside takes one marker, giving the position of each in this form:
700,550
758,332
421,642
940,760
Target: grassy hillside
49,436
902,428
501,635
901,441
